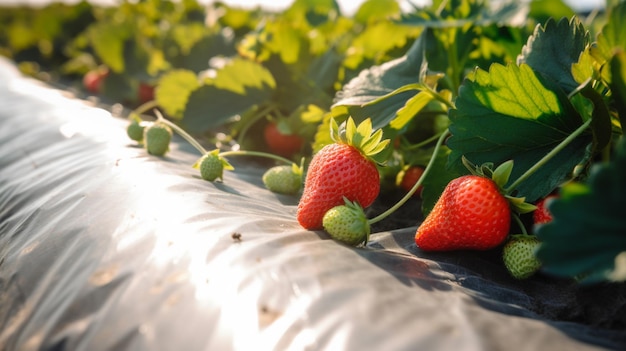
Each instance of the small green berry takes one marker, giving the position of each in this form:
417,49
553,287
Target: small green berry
283,179
157,138
347,223
212,166
519,257
136,127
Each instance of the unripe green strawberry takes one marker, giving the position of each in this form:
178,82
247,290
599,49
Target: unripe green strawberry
519,256
283,179
136,127
157,138
347,223
212,166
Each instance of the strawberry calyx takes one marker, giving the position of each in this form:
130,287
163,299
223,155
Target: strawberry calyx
361,137
500,175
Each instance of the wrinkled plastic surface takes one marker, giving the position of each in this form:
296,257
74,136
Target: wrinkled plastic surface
103,247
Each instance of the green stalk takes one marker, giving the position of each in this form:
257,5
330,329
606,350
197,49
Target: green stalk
519,223
408,195
548,156
425,142
256,153
146,106
256,117
182,133
203,151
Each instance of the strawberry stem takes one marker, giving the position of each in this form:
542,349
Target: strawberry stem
408,195
182,133
146,106
258,115
547,157
203,151
424,142
519,223
256,153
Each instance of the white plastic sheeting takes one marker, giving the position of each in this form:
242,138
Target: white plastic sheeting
103,247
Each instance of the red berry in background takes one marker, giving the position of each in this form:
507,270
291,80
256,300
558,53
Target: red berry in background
408,177
541,215
145,93
93,80
282,144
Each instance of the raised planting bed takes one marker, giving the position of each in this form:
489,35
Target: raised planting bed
105,247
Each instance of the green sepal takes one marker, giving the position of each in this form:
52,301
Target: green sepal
519,204
502,173
500,176
371,145
298,169
227,166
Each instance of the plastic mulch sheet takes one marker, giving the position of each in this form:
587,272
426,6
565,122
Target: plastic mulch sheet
104,247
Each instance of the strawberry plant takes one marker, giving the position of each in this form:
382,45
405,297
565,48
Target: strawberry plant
457,80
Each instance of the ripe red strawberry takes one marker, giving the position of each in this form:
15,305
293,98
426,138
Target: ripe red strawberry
93,80
145,92
346,168
281,143
541,215
470,214
407,177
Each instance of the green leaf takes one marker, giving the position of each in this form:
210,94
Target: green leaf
117,87
375,42
509,113
108,40
601,123
412,107
240,76
375,10
554,48
437,179
583,70
380,81
588,230
173,90
282,39
543,10
618,85
187,35
201,51
611,39
238,86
